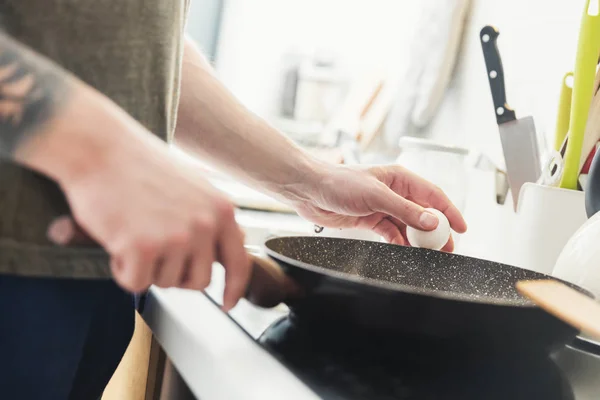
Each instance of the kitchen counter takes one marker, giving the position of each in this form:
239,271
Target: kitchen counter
216,358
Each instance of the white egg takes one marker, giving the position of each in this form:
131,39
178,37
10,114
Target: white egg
435,239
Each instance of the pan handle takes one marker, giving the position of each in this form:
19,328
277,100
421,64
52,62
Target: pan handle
269,285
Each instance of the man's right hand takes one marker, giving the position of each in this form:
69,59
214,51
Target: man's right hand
159,220
154,214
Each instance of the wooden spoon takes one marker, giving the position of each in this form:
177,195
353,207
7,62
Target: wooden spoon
565,303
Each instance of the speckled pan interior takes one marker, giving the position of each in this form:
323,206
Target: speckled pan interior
420,270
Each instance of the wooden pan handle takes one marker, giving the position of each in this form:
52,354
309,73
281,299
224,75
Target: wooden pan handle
269,285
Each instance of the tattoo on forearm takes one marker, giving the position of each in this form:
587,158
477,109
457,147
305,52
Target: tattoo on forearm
30,91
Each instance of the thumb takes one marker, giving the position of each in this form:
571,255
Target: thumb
65,231
389,202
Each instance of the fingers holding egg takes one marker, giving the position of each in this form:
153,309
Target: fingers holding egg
435,239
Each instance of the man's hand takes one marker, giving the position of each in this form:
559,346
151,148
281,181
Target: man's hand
216,127
159,220
382,199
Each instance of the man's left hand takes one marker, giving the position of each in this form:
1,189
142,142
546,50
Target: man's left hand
384,199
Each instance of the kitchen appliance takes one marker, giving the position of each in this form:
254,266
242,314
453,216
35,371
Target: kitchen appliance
466,305
518,136
255,353
588,47
349,365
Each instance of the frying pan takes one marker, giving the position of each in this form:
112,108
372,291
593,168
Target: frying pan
349,286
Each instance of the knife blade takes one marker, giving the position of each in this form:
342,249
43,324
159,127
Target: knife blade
517,136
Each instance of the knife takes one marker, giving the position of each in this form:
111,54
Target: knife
518,136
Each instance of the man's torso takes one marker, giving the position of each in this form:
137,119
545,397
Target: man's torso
130,51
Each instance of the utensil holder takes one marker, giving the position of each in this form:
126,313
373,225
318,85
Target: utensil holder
546,218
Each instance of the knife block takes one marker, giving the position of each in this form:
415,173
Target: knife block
546,219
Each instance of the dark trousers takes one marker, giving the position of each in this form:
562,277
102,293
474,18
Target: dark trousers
60,338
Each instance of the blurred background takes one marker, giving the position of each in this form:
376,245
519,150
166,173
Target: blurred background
255,45
397,81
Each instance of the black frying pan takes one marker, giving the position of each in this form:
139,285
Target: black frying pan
350,286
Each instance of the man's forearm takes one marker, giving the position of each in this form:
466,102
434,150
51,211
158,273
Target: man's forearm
215,126
49,120
31,92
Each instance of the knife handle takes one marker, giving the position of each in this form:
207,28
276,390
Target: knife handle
488,36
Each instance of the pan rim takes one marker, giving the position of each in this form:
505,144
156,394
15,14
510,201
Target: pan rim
410,289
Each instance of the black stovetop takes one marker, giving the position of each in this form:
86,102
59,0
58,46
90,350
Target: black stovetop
341,365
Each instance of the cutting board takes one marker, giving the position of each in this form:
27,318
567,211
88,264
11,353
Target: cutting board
433,55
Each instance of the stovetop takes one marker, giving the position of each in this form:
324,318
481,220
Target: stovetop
339,365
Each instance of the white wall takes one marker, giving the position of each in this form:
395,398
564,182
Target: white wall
537,40
204,20
256,33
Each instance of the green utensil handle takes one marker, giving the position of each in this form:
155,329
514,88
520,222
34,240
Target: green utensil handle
564,111
588,48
